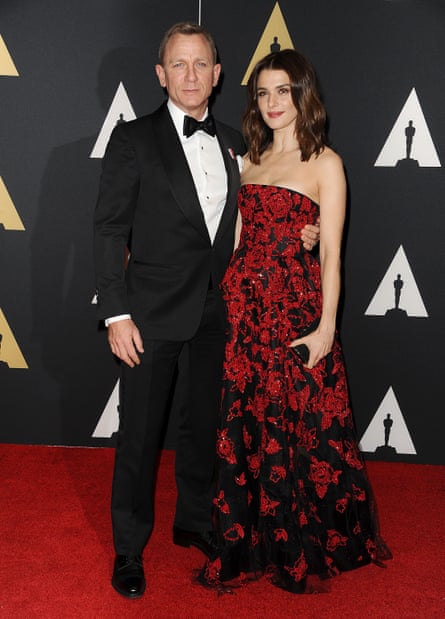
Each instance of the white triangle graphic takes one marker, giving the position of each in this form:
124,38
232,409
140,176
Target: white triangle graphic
398,291
399,436
7,66
94,299
120,110
109,420
411,122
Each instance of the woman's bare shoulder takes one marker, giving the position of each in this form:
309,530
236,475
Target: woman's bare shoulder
328,158
328,167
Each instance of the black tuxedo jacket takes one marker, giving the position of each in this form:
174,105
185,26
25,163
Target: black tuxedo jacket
148,202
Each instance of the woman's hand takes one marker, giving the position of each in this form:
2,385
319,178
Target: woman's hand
319,344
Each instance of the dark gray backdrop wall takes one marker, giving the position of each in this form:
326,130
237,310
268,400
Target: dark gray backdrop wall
379,64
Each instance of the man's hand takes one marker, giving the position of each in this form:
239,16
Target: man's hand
310,235
125,341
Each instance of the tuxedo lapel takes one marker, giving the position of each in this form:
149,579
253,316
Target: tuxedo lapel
177,169
233,180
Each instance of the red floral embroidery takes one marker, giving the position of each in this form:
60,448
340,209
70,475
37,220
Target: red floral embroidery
221,503
322,474
307,437
234,533
348,452
281,534
213,571
291,459
335,539
358,493
341,505
313,513
371,548
235,411
254,538
225,447
253,463
265,337
274,386
273,447
299,569
333,405
241,480
298,398
257,409
279,422
332,568
246,438
277,473
267,505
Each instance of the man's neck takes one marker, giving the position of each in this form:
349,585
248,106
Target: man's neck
198,114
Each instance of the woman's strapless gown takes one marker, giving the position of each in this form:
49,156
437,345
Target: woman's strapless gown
292,495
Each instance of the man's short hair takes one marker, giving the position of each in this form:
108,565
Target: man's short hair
187,28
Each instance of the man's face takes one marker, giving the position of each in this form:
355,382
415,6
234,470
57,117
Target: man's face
188,73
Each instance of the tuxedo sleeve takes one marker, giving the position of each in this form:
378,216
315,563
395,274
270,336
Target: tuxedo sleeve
113,220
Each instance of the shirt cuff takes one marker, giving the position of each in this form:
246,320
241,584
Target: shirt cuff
109,321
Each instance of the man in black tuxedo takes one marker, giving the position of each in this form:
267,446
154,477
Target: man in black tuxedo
168,193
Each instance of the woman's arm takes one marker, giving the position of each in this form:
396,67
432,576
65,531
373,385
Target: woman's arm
332,192
332,198
238,225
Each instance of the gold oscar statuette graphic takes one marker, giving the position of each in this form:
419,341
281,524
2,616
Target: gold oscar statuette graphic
7,66
275,37
9,218
10,352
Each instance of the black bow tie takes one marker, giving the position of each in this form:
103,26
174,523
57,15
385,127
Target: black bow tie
191,125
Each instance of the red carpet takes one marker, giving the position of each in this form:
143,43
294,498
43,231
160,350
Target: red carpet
56,550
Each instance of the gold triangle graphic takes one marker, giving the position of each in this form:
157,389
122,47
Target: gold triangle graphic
9,217
10,352
7,66
275,35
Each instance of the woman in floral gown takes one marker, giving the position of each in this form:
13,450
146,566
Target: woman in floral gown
293,498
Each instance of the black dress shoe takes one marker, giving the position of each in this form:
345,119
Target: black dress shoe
128,576
204,541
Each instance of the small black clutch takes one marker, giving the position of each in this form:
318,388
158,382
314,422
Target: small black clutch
301,350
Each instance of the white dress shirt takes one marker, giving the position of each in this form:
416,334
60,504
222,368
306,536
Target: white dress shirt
206,164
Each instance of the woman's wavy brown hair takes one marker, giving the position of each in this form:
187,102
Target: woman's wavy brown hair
311,118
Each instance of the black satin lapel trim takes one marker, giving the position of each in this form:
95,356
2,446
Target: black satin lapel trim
233,183
178,171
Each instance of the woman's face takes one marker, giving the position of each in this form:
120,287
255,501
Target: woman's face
275,100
